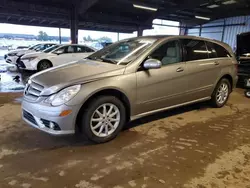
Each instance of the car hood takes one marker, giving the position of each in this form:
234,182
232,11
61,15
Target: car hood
20,52
79,72
17,51
34,54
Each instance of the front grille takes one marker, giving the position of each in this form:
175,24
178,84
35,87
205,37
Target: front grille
29,117
33,91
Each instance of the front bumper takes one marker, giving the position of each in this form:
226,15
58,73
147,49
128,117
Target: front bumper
28,65
11,59
38,112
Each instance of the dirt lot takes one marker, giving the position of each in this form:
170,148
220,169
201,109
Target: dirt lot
195,146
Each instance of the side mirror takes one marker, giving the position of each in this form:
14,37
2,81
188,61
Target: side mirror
152,64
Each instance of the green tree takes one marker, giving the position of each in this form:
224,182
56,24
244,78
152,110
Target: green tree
85,39
89,38
42,36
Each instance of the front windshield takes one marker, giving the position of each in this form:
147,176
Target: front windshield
33,47
51,49
122,53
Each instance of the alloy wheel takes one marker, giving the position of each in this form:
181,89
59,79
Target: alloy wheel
105,120
222,93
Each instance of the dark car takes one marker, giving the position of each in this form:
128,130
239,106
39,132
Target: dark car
243,56
22,47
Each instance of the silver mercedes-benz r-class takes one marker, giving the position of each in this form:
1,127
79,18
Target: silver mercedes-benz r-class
127,80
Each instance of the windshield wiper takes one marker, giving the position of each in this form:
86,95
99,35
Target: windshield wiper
108,60
102,59
89,58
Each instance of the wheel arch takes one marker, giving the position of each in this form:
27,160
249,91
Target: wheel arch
229,78
105,92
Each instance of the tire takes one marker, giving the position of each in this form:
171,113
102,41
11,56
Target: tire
43,65
91,119
222,85
247,93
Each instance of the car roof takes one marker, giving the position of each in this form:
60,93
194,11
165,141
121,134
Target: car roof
78,45
158,37
163,37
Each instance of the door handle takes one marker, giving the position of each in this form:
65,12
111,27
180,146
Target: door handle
180,69
216,63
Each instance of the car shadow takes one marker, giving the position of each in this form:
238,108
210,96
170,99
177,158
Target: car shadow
25,74
168,113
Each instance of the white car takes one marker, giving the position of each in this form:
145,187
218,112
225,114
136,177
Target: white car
55,56
14,56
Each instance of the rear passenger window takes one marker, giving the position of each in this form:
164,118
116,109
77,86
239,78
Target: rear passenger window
211,50
221,52
195,49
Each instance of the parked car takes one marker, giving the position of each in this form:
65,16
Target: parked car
22,47
57,55
243,56
247,85
14,56
126,81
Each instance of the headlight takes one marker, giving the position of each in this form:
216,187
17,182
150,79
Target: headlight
28,58
12,54
63,96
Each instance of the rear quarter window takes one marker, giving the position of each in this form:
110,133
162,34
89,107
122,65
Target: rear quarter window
221,51
195,49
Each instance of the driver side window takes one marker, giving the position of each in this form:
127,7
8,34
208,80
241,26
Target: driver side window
60,50
65,49
168,53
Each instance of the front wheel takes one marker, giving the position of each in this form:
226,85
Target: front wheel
103,119
221,93
247,94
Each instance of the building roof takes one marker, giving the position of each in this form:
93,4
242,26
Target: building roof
117,15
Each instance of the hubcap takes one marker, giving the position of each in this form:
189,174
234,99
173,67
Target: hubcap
105,120
222,93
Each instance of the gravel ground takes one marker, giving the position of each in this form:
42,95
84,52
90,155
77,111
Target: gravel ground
195,146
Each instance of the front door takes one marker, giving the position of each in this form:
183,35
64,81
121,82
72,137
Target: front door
163,87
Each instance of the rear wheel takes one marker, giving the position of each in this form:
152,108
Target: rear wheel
103,119
221,93
43,65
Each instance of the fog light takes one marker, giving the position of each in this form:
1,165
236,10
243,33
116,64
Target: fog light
51,125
